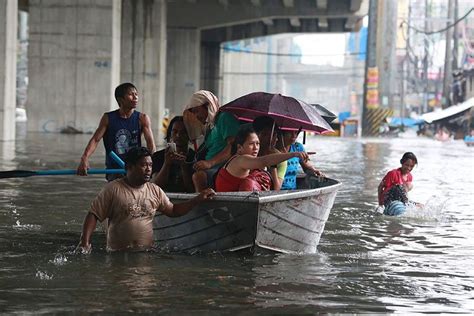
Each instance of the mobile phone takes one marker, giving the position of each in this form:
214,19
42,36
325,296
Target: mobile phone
171,146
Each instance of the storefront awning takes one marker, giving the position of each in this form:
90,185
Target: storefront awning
452,110
405,121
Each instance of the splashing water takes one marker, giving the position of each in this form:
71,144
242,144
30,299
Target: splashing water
21,226
59,260
432,210
43,275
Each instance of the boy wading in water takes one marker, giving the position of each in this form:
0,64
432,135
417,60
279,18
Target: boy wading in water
393,189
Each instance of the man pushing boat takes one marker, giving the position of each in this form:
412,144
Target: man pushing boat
130,204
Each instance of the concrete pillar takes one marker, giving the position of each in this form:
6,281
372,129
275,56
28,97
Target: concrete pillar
144,56
448,75
386,52
210,65
368,106
182,68
244,73
73,63
8,32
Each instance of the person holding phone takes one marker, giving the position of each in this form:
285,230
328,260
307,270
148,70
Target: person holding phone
173,167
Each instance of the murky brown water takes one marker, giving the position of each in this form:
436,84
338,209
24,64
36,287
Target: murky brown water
419,263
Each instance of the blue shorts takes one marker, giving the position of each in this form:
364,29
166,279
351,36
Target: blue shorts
395,208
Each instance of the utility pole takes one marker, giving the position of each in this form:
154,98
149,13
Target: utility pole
425,60
455,36
386,50
370,61
447,58
405,66
402,89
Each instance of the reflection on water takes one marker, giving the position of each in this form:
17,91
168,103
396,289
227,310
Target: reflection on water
367,262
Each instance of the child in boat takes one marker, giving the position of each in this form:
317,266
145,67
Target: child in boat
242,172
267,132
397,182
289,144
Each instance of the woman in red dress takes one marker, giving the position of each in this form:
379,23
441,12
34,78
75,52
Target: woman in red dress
243,171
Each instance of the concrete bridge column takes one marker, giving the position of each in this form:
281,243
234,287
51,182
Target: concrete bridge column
182,67
73,63
386,53
143,60
8,32
210,63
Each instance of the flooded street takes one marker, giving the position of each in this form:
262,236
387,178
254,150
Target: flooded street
422,262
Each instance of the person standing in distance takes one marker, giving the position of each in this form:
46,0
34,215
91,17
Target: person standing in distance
120,130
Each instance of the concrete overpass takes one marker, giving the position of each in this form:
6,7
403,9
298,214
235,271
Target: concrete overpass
79,50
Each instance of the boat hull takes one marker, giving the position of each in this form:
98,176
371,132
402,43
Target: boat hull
219,225
296,225
282,221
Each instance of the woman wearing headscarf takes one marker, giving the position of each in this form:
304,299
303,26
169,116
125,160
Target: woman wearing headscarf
202,117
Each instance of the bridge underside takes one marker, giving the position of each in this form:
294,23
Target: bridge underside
228,20
217,21
80,50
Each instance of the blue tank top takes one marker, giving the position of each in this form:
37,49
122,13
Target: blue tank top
121,135
292,169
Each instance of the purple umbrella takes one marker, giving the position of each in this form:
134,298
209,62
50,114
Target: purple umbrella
289,113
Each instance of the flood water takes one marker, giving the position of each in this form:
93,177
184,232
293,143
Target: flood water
422,262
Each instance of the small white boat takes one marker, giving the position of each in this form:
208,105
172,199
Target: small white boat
281,221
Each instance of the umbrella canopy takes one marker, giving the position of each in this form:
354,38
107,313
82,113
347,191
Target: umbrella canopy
325,113
289,113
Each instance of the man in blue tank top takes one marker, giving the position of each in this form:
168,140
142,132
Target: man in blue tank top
121,130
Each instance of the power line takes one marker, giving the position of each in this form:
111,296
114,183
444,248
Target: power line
237,50
299,73
438,31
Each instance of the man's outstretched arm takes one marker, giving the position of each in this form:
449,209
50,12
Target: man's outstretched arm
147,132
92,145
90,222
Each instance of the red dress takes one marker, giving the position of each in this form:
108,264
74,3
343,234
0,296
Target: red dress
392,178
225,182
257,180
